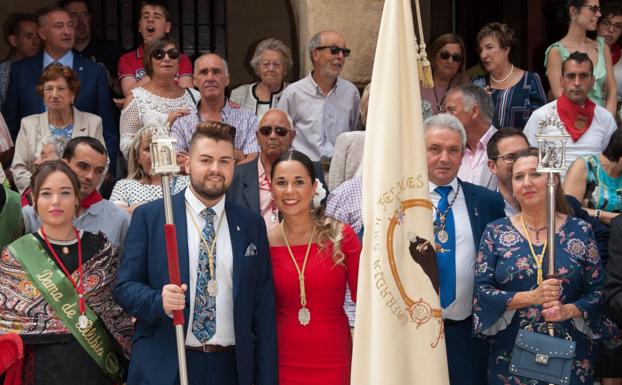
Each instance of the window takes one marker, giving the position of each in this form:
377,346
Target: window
198,25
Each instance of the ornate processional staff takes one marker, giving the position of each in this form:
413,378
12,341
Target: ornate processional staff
163,163
552,138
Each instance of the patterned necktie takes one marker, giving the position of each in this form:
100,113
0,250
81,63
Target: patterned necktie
204,315
446,255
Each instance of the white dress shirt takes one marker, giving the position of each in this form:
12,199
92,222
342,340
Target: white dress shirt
462,306
224,334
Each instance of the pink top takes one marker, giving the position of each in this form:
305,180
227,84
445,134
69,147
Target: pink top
473,162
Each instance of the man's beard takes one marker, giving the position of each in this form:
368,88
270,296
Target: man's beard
209,193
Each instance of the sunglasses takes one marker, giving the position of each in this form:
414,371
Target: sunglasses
267,130
335,50
594,8
446,55
159,54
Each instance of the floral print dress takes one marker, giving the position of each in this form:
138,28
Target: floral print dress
505,267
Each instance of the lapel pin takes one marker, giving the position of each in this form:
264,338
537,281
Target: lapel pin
80,69
237,227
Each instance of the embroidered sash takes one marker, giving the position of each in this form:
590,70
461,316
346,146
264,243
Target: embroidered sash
9,217
63,299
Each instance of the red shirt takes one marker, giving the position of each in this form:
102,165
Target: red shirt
131,64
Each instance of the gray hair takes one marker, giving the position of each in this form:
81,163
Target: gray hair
289,118
473,94
56,141
315,42
271,44
448,121
224,62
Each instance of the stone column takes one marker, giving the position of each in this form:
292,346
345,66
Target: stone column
357,21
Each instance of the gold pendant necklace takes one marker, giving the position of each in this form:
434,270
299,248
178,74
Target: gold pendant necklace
304,315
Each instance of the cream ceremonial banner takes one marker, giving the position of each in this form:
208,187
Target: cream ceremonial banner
398,337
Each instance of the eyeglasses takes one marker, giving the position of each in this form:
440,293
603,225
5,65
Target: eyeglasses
508,158
607,23
594,8
335,50
172,53
446,55
275,64
267,130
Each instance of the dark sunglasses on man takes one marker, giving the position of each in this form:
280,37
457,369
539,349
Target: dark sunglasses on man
267,130
159,54
446,55
335,50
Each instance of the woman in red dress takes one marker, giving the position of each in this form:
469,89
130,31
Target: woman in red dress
313,258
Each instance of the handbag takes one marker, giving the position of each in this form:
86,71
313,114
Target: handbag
542,357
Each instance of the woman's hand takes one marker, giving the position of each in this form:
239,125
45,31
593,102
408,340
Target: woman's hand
173,297
548,291
172,117
555,311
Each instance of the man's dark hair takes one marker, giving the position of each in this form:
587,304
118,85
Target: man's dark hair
492,148
610,9
213,130
70,148
11,24
579,57
613,151
154,3
64,3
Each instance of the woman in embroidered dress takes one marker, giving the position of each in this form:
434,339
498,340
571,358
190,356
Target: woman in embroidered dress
140,186
315,345
515,92
583,17
41,276
58,87
162,100
511,288
448,62
271,61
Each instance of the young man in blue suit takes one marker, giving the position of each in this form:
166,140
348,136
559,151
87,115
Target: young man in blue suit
227,293
56,30
462,211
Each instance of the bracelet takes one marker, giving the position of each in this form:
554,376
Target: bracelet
598,212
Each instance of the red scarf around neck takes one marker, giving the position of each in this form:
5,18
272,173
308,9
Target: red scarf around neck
575,117
90,200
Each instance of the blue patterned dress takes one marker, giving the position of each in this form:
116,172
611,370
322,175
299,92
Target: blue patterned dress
514,105
505,266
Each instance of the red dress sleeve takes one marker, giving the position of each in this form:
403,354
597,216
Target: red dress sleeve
185,66
351,248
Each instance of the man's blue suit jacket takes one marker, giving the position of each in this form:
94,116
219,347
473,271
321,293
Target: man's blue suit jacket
484,206
143,273
93,96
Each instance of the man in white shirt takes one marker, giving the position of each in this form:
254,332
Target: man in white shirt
227,293
589,125
462,211
322,105
474,108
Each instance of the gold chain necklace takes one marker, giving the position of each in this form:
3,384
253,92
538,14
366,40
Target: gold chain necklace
212,285
304,315
538,258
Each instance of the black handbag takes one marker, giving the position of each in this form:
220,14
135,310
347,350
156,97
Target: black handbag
542,357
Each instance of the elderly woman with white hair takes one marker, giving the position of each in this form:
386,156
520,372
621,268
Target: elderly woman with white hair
271,60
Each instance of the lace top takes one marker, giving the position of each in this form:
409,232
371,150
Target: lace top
148,108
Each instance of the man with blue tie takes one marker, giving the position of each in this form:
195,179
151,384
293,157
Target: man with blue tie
227,292
462,211
56,30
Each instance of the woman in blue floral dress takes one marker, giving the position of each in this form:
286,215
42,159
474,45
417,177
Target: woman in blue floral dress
511,289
